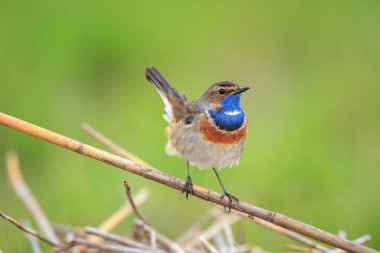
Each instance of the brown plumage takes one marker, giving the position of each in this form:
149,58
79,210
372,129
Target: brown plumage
212,133
208,132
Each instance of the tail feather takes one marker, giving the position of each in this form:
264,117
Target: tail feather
174,103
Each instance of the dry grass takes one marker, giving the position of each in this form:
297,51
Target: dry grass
217,237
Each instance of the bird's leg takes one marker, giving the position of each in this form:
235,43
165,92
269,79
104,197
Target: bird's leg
188,188
225,193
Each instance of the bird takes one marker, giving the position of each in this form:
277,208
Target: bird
209,132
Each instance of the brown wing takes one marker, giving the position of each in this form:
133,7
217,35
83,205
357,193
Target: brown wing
175,105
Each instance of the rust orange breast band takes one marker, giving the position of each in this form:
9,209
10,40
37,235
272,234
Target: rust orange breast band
211,133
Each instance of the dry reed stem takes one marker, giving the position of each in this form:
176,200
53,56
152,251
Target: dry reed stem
360,240
124,211
104,246
32,239
34,243
213,212
153,241
212,231
152,233
116,218
195,230
111,145
228,232
165,241
245,249
23,191
220,242
342,233
68,246
115,238
317,248
27,230
62,229
70,236
207,246
296,248
363,239
176,183
132,202
119,216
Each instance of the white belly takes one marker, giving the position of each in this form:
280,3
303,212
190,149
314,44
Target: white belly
188,142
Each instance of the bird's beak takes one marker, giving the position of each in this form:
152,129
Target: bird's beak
240,90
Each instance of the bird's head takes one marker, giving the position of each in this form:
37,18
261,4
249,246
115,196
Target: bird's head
224,95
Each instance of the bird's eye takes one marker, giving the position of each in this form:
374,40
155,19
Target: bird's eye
221,91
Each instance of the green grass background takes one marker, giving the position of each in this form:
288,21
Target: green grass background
313,147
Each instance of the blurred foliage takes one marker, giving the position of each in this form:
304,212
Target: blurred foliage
313,148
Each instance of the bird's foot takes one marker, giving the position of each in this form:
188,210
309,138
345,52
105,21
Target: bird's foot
230,198
188,188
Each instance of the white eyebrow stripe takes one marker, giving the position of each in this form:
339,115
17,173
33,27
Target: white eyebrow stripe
232,113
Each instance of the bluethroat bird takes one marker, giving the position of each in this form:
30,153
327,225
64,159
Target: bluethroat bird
208,132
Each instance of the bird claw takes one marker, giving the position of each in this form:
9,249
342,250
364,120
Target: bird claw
188,188
230,198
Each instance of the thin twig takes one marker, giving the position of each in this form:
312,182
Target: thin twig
120,215
290,234
21,188
176,183
116,218
123,212
68,246
134,207
27,230
208,247
173,246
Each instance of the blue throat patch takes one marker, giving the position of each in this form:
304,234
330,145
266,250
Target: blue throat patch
231,116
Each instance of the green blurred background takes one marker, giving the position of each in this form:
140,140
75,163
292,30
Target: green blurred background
313,147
